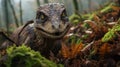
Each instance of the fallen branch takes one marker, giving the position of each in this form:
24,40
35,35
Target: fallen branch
87,48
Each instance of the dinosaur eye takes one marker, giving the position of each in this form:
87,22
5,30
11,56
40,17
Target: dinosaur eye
42,17
64,16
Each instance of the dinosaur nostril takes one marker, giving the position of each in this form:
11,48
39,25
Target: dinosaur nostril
56,26
53,26
59,26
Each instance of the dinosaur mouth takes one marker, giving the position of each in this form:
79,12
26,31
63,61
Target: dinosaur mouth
54,35
57,33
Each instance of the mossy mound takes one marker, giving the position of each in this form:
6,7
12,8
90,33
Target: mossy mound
23,56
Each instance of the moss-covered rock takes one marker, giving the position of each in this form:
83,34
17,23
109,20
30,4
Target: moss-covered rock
23,56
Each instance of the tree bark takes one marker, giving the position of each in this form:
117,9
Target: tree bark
38,3
21,20
45,1
76,6
0,21
119,2
6,14
89,5
81,5
14,14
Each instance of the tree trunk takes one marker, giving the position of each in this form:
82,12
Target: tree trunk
76,6
38,3
45,1
89,5
119,2
21,20
6,14
14,14
81,6
0,21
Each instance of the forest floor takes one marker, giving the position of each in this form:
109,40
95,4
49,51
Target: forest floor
93,41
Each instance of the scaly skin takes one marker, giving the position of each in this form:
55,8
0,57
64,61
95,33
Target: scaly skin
44,34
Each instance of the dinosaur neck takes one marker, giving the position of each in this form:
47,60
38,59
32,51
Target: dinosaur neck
47,45
51,45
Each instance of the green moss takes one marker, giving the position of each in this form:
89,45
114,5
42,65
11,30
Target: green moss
89,16
107,8
75,19
23,56
108,36
111,33
86,16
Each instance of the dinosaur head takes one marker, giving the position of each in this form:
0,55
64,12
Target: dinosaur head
52,20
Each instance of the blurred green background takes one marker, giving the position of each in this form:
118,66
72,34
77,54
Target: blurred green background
14,13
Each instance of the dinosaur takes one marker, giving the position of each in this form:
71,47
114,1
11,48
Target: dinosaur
45,32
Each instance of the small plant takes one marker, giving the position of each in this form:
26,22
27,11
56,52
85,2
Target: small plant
111,33
23,56
75,19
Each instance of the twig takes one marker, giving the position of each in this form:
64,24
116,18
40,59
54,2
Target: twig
87,48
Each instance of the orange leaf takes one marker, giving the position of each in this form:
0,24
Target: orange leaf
93,25
105,48
96,18
76,48
71,51
115,8
65,51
